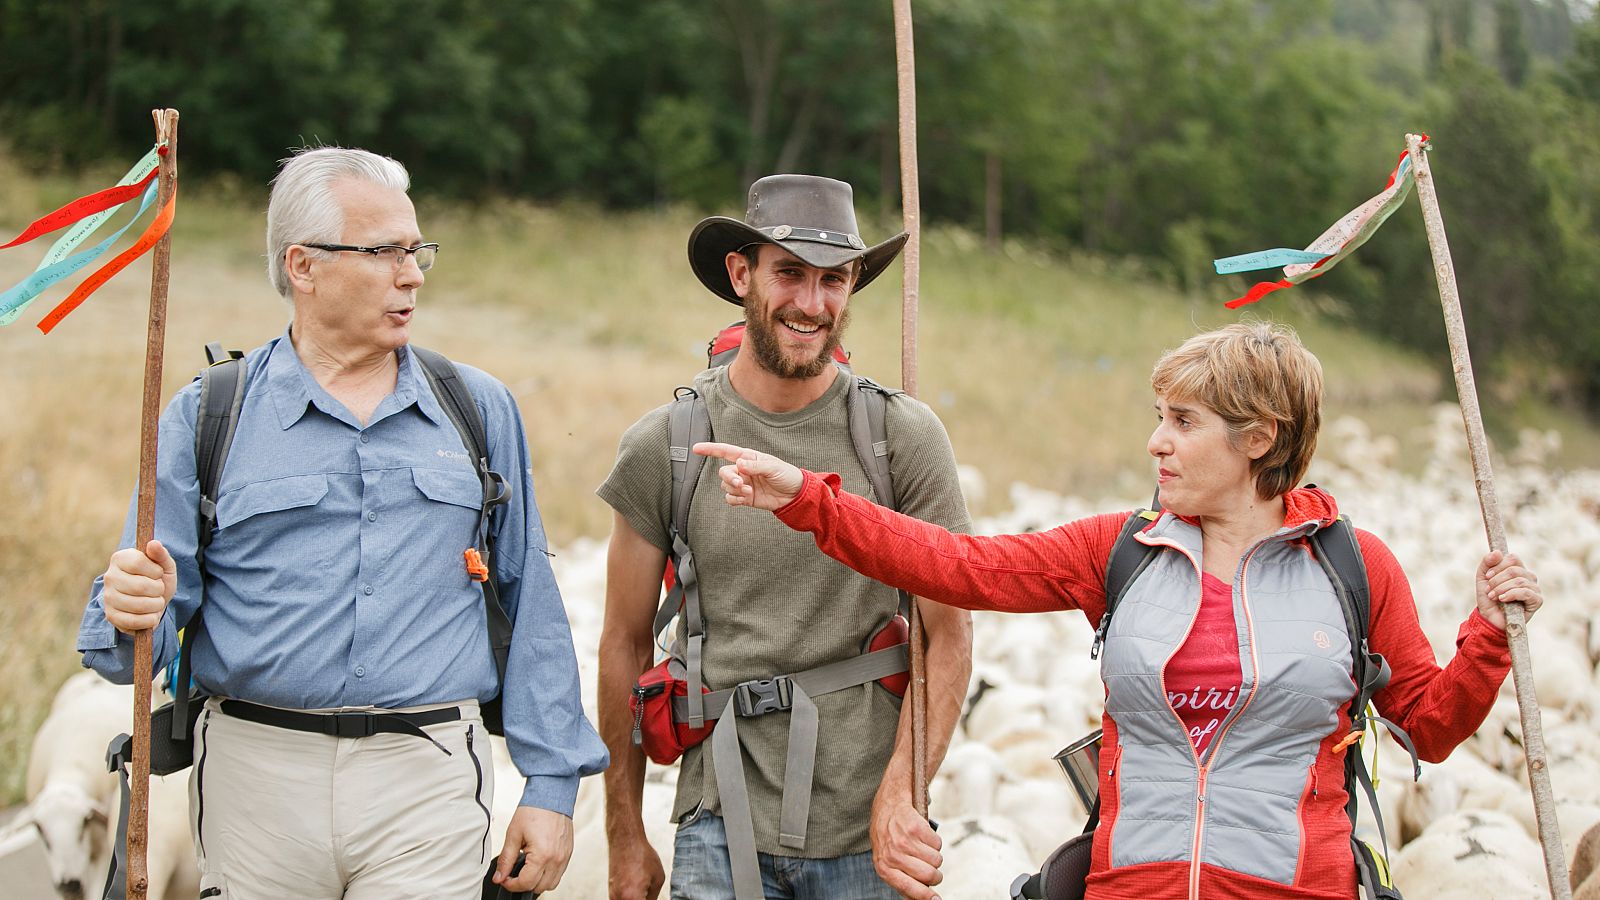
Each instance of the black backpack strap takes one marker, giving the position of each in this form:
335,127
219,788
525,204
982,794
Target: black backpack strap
688,423
1338,552
1127,560
456,399
222,386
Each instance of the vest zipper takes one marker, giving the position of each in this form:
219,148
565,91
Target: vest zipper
477,795
1204,769
1200,767
1199,828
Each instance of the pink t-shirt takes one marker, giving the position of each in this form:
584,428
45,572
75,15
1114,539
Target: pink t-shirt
1203,677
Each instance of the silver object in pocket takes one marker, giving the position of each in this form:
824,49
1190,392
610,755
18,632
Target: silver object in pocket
1080,762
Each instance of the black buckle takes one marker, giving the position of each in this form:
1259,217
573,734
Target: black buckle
351,725
754,698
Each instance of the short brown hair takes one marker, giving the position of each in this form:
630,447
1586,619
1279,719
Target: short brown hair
1252,374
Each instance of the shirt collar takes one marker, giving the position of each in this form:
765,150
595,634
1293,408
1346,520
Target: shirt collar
294,389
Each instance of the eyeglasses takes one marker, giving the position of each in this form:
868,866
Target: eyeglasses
389,257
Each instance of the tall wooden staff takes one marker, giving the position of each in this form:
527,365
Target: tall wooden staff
911,206
1555,860
155,339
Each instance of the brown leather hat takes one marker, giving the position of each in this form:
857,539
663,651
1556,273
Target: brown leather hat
808,215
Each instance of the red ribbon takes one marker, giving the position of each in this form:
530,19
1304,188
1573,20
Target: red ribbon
83,207
155,232
1260,290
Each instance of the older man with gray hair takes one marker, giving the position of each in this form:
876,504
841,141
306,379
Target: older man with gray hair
341,752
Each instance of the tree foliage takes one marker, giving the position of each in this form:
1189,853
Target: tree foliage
1169,131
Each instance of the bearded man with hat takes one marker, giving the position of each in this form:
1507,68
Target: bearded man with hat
769,605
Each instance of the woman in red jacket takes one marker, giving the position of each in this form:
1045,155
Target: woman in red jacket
1227,667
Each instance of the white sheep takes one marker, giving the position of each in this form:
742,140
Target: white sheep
73,801
982,854
1470,855
70,794
1585,869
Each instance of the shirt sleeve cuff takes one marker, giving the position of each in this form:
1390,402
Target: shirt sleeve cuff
802,510
1482,638
99,636
557,793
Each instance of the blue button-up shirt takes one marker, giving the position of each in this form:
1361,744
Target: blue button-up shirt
335,576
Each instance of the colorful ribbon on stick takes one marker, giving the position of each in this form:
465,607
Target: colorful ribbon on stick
86,214
1333,245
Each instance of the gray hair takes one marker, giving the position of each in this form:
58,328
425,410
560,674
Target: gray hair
302,207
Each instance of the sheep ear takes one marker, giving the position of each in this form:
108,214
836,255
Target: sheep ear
18,833
97,815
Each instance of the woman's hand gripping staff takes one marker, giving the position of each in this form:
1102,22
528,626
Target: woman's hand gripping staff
755,479
1501,579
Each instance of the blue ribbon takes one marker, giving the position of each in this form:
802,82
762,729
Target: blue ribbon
1266,259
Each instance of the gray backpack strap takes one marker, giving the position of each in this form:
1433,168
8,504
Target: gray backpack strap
688,423
726,765
867,408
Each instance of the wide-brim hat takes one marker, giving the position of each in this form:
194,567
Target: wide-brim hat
808,215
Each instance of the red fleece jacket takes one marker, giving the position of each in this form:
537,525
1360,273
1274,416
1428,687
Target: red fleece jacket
1064,568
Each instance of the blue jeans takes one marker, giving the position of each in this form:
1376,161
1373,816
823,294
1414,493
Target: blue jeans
701,871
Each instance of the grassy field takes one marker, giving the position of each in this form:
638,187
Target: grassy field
1038,366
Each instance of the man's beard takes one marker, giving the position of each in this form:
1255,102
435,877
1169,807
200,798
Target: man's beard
768,349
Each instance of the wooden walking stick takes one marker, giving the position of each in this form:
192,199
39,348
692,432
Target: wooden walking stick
155,339
1555,860
911,210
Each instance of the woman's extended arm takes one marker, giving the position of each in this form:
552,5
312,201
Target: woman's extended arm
1063,568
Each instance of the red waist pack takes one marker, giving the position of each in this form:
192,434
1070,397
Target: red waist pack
662,739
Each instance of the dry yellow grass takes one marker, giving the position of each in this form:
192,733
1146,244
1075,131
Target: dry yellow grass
1038,367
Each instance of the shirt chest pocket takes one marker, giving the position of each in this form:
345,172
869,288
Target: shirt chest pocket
457,488
275,495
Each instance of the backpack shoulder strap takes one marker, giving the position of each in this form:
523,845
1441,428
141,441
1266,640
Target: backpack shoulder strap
867,407
222,386
453,394
462,410
688,423
1337,550
1128,558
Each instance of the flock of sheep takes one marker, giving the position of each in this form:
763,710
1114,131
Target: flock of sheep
1466,829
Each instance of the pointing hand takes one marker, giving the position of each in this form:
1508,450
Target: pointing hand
755,479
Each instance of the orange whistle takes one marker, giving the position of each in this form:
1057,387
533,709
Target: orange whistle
476,570
1349,739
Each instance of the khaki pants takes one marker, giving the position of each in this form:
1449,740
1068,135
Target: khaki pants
279,813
